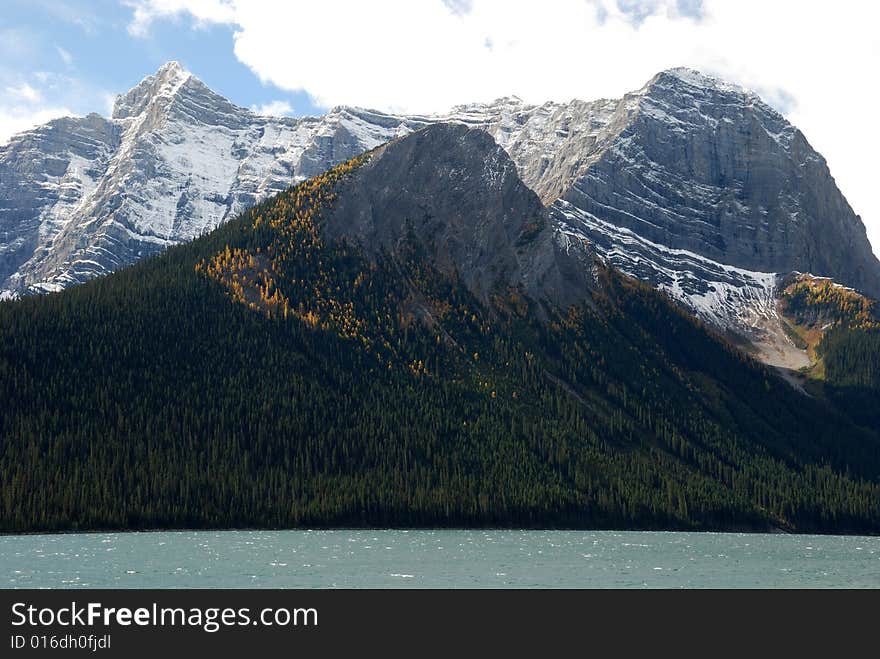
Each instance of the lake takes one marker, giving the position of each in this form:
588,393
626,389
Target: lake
437,559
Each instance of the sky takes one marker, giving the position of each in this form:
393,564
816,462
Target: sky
815,61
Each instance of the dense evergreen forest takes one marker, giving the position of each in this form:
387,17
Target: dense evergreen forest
262,376
851,361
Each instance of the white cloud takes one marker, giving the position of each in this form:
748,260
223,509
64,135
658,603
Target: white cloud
816,61
24,92
109,101
274,109
204,12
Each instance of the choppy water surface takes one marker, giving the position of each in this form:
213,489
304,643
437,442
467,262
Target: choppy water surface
438,559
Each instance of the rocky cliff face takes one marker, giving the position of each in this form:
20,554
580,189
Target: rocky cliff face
44,176
709,168
467,207
705,191
82,197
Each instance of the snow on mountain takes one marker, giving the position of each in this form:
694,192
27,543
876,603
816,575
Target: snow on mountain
710,194
738,301
82,197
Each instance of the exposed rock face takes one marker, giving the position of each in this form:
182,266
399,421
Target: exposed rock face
466,205
82,197
44,175
707,167
708,193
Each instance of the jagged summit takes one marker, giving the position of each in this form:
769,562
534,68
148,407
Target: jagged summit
699,80
171,70
511,100
698,165
704,190
163,84
674,85
702,88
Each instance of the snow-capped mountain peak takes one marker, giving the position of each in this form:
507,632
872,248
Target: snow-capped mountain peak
699,80
160,87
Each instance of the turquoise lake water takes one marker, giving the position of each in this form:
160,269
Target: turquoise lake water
437,559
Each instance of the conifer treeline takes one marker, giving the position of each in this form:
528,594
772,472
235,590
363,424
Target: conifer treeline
345,391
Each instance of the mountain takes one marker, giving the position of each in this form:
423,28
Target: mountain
83,197
473,214
690,183
711,195
404,340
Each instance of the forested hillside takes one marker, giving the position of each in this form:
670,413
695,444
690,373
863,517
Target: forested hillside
264,375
